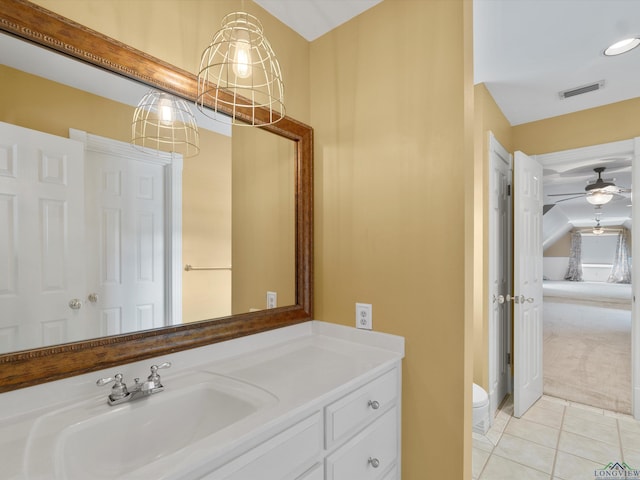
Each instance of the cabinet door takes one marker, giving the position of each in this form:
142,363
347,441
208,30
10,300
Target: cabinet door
285,455
369,454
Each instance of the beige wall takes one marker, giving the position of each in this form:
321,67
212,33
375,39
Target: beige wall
206,229
487,118
263,192
390,95
560,248
31,102
581,129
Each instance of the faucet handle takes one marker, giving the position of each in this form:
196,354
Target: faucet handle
154,377
119,389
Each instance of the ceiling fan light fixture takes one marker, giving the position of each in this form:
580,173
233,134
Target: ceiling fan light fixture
599,198
622,46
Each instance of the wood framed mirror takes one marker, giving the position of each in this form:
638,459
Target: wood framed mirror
24,368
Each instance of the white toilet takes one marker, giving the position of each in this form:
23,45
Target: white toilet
481,421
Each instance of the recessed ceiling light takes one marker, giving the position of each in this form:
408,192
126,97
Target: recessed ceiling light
622,46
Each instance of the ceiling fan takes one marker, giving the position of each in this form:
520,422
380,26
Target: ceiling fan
599,192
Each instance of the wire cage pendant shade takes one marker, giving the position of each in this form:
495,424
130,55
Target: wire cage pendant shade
239,73
164,122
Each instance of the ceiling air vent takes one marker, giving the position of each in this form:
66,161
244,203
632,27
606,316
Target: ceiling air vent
592,87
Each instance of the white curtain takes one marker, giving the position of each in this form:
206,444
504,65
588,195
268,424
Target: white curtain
621,268
574,272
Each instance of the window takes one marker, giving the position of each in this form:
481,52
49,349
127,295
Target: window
598,249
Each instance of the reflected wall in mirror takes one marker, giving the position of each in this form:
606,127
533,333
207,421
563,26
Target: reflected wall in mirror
245,203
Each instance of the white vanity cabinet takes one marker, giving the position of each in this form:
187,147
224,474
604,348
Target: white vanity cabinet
313,401
354,437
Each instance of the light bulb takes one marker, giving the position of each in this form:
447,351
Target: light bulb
165,111
242,55
599,198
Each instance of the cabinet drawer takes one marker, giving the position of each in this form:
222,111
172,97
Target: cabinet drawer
369,454
289,453
346,416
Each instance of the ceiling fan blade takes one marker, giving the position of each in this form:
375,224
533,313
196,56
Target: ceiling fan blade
565,194
571,198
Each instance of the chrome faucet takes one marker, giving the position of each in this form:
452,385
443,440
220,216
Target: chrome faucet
121,394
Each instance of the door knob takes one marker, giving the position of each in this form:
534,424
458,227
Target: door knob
523,299
499,299
75,304
93,297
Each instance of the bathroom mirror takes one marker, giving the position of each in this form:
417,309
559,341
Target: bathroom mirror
29,367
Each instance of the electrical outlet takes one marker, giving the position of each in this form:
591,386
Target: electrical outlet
363,316
272,299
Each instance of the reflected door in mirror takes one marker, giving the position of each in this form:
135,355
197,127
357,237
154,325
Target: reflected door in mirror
125,238
42,280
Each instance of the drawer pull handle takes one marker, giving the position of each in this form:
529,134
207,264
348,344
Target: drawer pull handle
374,462
374,404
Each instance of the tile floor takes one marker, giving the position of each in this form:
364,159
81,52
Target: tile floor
555,440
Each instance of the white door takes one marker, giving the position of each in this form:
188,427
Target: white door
125,223
500,272
41,239
527,325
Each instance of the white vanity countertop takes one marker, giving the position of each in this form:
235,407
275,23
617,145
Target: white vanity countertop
300,365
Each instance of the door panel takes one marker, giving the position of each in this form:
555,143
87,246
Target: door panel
42,239
125,201
528,200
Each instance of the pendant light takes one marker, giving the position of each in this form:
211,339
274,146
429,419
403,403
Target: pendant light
240,75
164,122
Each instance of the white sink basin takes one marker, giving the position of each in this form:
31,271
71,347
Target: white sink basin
107,442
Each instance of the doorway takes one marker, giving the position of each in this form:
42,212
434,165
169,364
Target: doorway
601,328
585,155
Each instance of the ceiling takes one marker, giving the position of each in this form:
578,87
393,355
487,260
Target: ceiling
313,18
526,52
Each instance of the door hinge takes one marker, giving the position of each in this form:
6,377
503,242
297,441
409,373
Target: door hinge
508,359
508,190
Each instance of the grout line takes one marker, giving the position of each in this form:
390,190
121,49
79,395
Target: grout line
555,456
620,440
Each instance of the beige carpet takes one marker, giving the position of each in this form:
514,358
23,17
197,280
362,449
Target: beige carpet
587,355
